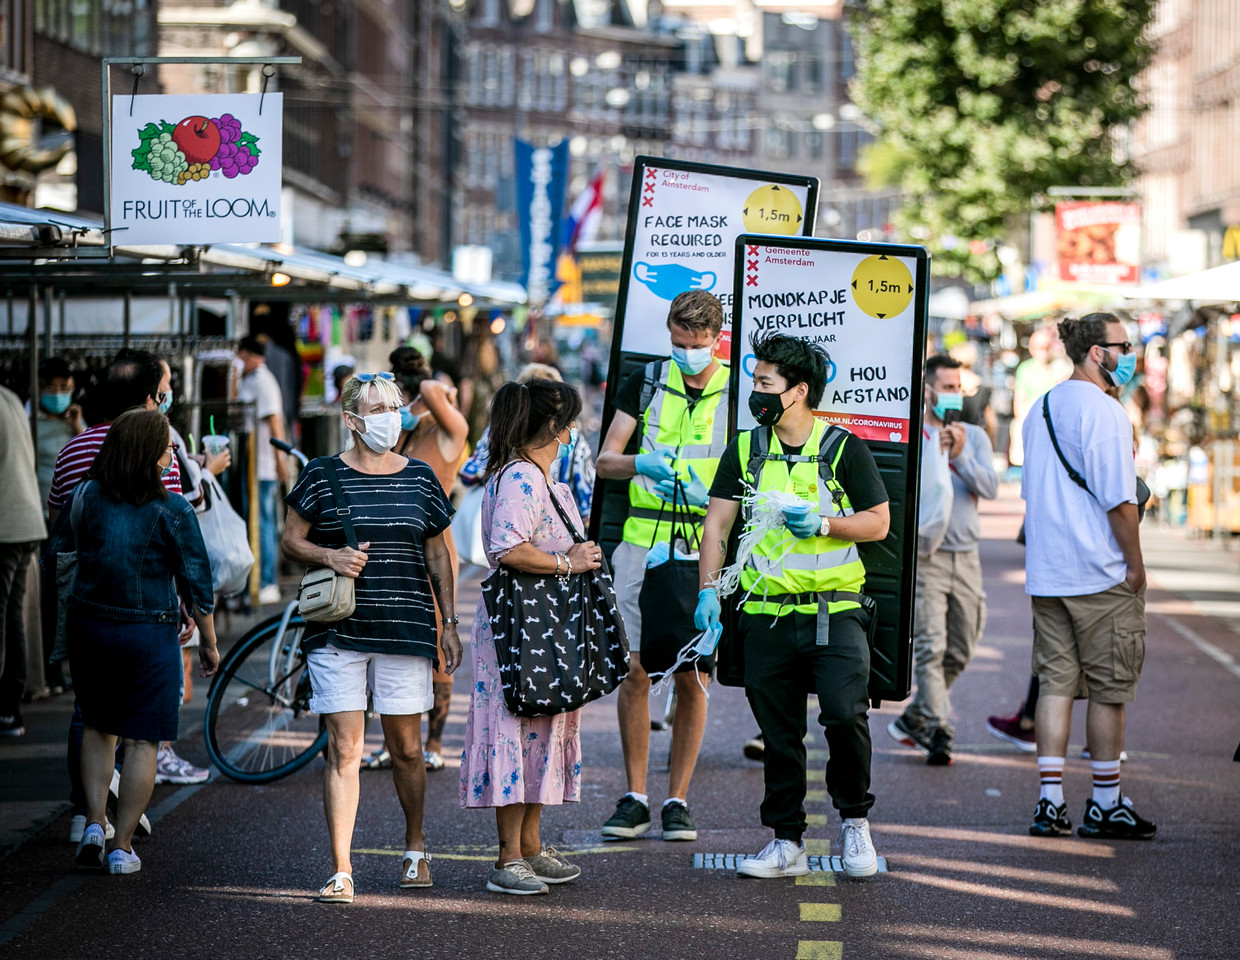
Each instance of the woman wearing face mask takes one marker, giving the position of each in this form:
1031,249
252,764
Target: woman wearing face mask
433,431
404,588
518,764
132,539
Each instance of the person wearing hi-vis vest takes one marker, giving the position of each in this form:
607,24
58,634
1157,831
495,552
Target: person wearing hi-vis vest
677,414
804,620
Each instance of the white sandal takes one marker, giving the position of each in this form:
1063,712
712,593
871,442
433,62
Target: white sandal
409,879
334,890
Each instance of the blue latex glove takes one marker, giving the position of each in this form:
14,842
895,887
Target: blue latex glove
803,526
657,465
694,491
706,616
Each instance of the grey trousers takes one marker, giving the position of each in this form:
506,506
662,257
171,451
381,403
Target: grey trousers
947,624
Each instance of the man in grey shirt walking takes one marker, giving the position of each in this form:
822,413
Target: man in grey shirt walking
951,604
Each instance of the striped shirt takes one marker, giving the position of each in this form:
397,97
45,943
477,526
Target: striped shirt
75,459
396,513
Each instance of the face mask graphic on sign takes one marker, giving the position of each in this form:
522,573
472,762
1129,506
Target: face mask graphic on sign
669,280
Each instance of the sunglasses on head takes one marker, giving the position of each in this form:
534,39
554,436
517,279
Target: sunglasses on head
367,377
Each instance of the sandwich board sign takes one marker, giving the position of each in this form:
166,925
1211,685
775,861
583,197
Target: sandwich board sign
195,169
866,305
683,218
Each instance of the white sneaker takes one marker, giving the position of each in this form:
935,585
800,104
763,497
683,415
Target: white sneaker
269,594
90,851
78,824
779,858
170,768
114,790
122,861
859,857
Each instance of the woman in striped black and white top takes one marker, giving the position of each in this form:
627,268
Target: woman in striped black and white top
387,646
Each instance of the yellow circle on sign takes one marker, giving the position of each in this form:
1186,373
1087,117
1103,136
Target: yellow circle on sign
882,286
772,209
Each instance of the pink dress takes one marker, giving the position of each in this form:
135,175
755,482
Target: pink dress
509,759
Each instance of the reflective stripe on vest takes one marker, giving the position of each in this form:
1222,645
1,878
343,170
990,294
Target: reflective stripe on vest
696,434
814,564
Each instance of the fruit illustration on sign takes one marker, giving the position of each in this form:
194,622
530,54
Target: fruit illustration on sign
882,286
772,209
195,148
198,138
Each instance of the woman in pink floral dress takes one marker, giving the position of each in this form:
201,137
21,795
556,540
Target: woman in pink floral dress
518,764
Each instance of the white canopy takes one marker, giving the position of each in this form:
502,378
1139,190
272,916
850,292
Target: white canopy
1216,285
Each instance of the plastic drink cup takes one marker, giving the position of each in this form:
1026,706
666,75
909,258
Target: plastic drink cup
791,513
214,444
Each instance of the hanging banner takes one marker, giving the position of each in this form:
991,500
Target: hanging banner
1099,242
866,305
542,173
195,169
683,218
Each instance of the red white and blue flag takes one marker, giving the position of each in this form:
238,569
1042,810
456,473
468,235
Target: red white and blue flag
585,215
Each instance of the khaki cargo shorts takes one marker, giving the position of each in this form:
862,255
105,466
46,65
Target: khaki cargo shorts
1092,644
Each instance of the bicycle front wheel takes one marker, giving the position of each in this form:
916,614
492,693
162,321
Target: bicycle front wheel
259,727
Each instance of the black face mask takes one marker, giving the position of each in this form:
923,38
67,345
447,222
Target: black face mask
767,408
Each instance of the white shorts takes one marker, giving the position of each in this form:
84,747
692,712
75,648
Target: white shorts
399,684
628,570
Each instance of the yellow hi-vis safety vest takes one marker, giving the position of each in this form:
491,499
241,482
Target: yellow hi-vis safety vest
695,433
815,564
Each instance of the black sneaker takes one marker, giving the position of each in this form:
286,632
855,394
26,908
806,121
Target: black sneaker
901,730
1119,823
12,726
755,748
631,819
676,822
940,749
1050,820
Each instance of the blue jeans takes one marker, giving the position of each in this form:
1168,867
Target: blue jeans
268,493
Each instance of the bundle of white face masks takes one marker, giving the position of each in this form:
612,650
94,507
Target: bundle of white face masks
766,513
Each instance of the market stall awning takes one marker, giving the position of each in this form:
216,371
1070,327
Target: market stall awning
1047,300
1216,285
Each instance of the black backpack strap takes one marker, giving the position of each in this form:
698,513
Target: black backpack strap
342,505
652,382
1050,428
832,440
759,448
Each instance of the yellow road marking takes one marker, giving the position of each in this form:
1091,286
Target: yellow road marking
820,911
820,950
815,796
817,756
817,879
815,819
817,847
449,855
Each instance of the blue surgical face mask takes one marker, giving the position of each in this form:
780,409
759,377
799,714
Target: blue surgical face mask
409,421
947,401
166,470
692,360
1125,367
56,403
166,403
565,450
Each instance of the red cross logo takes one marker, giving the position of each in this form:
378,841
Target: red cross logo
753,264
751,280
753,249
647,201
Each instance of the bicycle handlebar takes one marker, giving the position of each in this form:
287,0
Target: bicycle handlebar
290,449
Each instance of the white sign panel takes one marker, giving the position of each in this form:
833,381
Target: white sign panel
683,220
195,169
860,305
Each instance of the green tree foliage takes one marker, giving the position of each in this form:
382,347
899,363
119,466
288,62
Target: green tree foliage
982,104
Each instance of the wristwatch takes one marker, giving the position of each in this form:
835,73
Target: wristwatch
449,620
824,528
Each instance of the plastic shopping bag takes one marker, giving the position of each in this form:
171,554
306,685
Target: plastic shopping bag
934,508
228,544
467,528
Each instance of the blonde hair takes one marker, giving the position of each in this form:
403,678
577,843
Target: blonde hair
354,389
538,371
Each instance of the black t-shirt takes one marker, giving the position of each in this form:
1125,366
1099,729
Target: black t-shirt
857,473
629,396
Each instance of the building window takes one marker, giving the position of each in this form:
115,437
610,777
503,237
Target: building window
780,67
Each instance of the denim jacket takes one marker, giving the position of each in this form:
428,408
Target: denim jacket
128,558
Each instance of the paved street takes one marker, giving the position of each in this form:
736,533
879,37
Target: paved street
230,869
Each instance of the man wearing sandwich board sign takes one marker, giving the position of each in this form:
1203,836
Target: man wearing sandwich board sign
829,401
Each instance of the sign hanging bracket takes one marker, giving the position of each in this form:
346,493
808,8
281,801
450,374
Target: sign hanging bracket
139,70
268,72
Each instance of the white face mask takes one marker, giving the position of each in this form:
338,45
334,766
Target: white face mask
382,430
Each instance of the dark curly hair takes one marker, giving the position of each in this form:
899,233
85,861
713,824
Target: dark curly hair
1079,335
797,360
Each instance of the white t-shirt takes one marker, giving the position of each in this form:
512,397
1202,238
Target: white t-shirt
263,390
1070,550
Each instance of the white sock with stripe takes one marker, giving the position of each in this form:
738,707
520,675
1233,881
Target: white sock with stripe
1106,783
1050,772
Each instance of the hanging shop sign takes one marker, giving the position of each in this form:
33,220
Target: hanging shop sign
1099,242
195,169
542,173
866,305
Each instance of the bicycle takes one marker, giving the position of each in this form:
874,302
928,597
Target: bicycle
258,725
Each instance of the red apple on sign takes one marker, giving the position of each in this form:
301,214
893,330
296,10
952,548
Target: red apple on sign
198,138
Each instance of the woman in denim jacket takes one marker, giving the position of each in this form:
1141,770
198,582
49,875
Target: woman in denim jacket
133,539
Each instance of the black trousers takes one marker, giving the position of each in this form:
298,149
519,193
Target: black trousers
783,665
14,558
